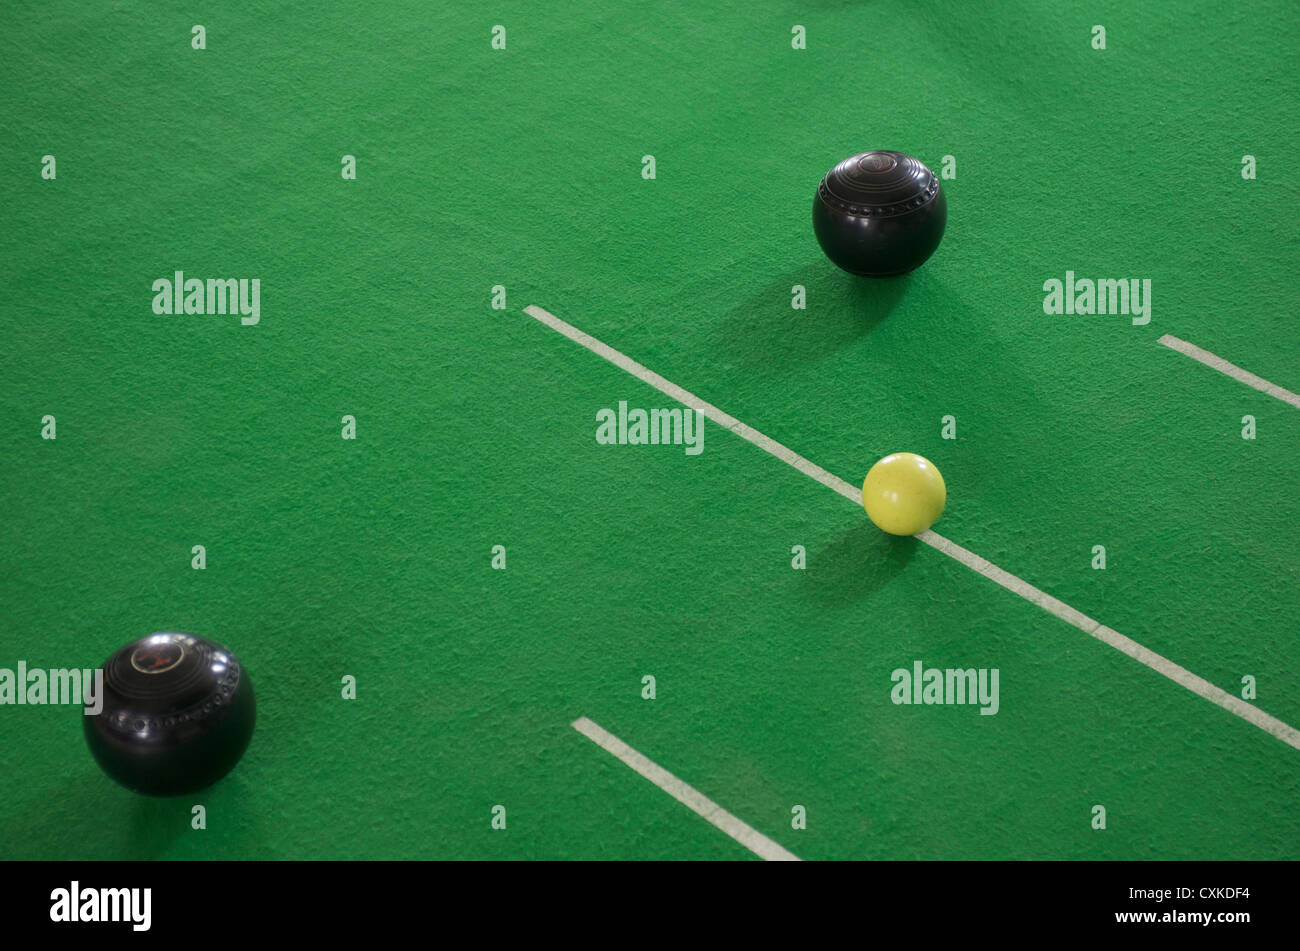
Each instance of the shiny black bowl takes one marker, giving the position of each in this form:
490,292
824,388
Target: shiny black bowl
178,713
879,213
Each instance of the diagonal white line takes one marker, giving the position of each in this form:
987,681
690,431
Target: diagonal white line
1229,369
694,402
687,795
1178,674
1161,665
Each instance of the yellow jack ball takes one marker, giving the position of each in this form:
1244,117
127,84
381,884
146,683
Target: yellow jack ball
904,493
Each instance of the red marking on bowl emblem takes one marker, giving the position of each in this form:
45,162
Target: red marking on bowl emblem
157,658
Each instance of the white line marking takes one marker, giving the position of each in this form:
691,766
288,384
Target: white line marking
1179,675
1232,370
687,795
1167,668
694,402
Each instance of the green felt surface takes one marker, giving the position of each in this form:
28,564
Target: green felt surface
370,558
